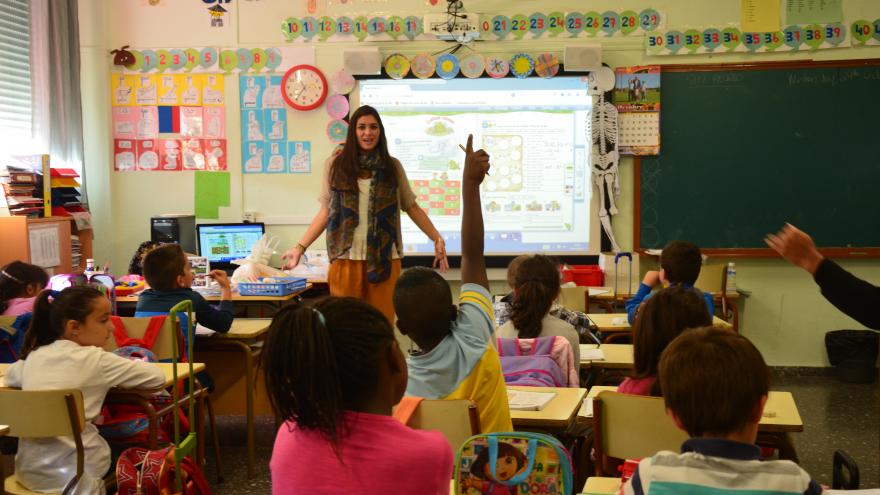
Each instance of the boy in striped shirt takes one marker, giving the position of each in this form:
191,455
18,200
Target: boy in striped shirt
457,358
715,384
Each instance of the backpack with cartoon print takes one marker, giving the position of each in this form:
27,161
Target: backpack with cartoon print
514,463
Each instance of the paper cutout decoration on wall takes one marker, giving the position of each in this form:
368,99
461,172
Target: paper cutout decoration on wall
447,66
731,39
422,65
148,154
342,82
300,156
337,106
522,65
547,65
337,130
397,66
497,67
472,66
124,154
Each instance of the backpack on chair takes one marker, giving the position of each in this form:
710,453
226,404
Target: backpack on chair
535,368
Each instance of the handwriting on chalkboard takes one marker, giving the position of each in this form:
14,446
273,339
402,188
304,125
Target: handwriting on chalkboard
842,76
698,79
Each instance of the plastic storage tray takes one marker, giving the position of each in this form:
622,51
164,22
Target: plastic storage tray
280,286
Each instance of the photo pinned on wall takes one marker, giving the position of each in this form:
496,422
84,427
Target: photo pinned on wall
252,156
276,163
300,154
252,88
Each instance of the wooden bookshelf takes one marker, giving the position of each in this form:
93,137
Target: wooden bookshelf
15,232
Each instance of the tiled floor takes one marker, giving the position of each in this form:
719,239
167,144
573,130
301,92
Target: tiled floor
836,416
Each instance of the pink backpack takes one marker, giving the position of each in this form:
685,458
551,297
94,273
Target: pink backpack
535,367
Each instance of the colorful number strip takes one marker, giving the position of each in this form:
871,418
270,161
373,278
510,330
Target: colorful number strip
496,27
865,32
731,39
208,59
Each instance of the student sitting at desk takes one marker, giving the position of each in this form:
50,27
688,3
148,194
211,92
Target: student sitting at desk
715,384
333,373
536,286
62,350
457,359
19,285
580,321
170,277
662,318
680,264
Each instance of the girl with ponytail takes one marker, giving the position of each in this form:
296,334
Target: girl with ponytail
535,287
62,350
19,285
333,373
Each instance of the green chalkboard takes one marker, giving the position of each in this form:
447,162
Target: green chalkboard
745,149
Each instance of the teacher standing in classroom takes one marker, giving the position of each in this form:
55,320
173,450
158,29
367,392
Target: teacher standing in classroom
362,194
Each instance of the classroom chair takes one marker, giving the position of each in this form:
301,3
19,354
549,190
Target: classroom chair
713,279
164,351
631,427
575,298
457,420
43,414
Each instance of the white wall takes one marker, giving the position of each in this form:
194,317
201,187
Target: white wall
785,315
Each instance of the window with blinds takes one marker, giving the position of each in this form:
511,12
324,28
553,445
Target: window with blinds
15,77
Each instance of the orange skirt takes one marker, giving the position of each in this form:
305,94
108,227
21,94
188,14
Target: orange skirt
349,278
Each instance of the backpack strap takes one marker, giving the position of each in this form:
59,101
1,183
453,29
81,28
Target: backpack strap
543,345
406,408
149,338
508,347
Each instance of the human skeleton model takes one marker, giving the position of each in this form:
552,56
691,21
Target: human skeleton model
605,157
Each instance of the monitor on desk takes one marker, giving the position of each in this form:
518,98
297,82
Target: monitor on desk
222,243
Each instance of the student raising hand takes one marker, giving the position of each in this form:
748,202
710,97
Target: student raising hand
476,163
796,247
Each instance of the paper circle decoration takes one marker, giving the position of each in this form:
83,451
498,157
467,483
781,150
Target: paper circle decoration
336,131
337,106
397,66
342,82
472,66
497,67
447,66
422,65
522,65
547,65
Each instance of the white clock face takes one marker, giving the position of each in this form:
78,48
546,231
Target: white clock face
304,87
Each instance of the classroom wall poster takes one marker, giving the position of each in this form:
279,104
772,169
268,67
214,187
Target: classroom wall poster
637,98
190,114
265,148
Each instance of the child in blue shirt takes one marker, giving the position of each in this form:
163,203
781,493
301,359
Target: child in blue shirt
170,277
680,264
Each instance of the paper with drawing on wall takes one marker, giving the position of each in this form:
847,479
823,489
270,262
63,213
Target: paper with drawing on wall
44,243
211,192
760,16
813,11
300,155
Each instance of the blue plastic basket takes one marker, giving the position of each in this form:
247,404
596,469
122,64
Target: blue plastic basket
281,287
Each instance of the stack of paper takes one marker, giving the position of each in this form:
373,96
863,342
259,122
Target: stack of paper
590,353
519,400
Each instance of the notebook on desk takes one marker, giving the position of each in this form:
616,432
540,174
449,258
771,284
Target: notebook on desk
519,400
590,353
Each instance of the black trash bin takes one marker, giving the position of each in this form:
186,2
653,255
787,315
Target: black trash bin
853,354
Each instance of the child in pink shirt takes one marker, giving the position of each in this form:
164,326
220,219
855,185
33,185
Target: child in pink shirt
20,283
662,318
334,372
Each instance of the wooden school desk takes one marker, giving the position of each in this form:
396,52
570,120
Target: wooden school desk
557,415
617,356
273,303
610,323
233,357
597,485
781,417
167,370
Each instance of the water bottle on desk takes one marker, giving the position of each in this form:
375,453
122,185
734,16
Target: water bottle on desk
90,267
731,277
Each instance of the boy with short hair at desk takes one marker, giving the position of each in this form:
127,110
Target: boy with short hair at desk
167,271
715,385
458,360
680,264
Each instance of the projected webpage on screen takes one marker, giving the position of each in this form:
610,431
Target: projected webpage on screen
537,197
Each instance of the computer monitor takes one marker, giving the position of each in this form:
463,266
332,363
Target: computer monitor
223,242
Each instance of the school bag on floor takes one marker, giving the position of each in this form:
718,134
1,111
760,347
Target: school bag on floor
512,463
151,472
535,367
